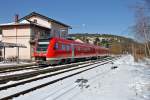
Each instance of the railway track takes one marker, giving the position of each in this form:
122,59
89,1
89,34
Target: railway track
14,77
80,69
51,74
18,71
17,68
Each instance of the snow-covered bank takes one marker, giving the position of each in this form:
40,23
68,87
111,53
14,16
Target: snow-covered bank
140,76
128,81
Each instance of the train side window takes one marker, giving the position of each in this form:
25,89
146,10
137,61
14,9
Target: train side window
56,46
63,46
78,48
60,46
68,47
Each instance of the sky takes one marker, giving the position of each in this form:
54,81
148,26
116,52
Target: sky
85,16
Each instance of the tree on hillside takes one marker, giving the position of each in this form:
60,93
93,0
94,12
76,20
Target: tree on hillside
96,41
87,40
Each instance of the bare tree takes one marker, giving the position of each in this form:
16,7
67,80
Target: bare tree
142,27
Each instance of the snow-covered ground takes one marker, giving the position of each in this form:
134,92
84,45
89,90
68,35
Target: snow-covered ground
16,72
129,81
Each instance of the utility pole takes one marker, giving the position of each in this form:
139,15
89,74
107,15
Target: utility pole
17,47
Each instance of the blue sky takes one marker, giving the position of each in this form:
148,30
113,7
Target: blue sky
92,16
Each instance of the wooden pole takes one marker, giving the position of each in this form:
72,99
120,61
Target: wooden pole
4,53
18,55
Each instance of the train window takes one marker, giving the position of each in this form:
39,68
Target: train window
84,49
63,46
75,48
78,48
42,45
81,49
68,47
59,46
56,46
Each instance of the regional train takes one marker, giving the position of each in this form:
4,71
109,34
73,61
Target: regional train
57,50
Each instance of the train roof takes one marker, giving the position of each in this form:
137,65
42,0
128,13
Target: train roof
73,41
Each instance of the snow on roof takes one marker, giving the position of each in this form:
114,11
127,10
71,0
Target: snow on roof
23,22
7,24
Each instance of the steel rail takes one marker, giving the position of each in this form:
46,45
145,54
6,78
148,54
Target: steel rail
42,77
4,79
51,82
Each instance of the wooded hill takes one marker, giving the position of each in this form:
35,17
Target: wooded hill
117,44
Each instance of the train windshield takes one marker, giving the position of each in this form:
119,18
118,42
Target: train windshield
42,45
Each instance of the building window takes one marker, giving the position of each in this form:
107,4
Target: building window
35,20
0,31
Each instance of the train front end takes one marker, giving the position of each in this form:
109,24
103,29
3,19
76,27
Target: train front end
41,49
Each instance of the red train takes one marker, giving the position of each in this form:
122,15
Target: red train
57,50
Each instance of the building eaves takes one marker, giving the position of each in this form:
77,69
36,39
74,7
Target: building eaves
11,45
23,24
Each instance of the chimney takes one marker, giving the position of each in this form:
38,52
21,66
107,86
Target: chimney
16,18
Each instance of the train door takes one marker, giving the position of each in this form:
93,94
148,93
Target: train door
72,51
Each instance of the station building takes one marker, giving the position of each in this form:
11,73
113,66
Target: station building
27,30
